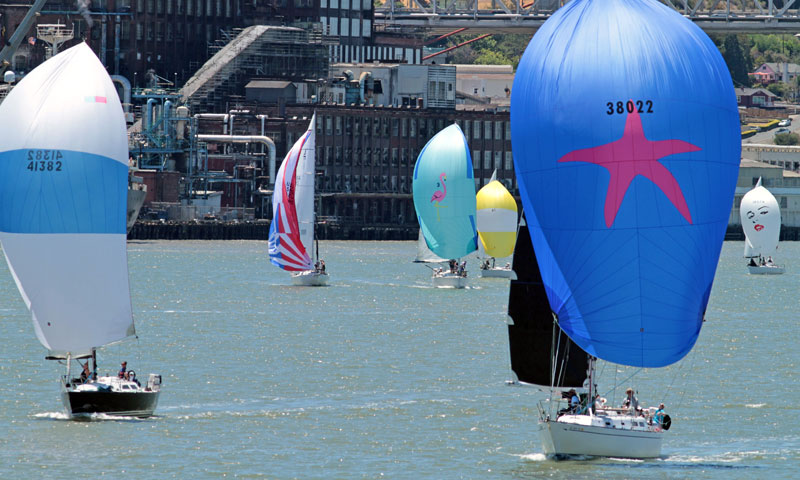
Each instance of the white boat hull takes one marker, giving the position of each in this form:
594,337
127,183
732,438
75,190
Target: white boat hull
573,435
310,278
498,272
449,280
766,270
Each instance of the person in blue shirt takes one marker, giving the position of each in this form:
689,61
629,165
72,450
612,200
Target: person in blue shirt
658,417
123,371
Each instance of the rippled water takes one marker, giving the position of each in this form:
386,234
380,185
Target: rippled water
380,375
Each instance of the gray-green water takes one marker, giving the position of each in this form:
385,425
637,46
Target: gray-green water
381,376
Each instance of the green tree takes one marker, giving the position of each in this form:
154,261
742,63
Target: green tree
736,61
786,139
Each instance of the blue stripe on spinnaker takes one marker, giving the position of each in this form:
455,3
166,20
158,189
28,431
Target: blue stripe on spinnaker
68,192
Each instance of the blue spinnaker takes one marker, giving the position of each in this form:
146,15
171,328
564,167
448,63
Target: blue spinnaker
444,194
626,145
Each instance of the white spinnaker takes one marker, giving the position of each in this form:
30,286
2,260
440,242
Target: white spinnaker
48,108
75,284
304,189
761,221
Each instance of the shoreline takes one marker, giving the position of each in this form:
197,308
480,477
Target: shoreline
260,231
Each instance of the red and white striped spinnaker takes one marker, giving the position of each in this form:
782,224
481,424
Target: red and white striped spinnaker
291,234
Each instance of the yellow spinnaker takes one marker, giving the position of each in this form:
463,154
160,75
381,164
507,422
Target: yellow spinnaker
497,220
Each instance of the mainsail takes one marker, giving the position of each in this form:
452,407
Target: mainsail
444,194
424,254
761,222
614,180
63,201
291,234
540,353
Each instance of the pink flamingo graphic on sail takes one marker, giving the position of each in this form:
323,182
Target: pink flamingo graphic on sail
439,195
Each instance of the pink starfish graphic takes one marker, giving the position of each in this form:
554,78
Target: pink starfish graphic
633,155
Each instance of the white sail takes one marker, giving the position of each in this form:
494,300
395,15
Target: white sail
761,221
63,195
304,196
424,254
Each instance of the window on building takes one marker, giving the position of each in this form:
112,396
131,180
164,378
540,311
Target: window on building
487,160
404,127
395,126
169,7
509,162
498,130
487,129
337,125
412,129
337,155
125,31
394,157
476,131
385,123
348,126
151,6
498,160
160,7
139,31
139,6
328,125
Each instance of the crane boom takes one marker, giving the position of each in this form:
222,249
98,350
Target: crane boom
16,38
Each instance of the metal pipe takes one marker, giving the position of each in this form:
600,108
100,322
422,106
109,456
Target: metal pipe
263,119
266,141
147,121
165,114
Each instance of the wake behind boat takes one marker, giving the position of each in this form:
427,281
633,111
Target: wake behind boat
291,233
63,194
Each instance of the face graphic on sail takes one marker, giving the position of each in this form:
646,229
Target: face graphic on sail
631,155
753,217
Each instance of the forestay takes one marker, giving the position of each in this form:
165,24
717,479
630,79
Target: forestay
63,201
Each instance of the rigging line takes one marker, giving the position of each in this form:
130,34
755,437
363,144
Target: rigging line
691,369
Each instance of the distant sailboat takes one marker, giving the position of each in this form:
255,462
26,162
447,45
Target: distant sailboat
291,234
497,227
63,202
444,198
613,183
761,222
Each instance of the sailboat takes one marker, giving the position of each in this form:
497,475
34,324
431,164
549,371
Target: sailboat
444,198
761,222
63,193
497,227
291,234
612,185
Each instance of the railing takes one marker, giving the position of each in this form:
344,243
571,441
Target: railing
711,15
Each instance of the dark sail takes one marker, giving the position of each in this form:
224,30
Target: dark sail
533,335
